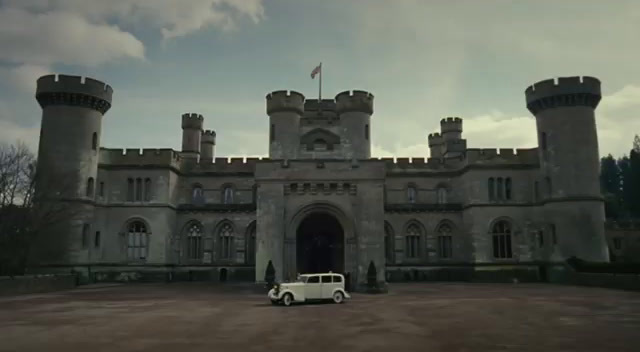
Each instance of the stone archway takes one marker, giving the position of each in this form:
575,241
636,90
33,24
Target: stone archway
320,244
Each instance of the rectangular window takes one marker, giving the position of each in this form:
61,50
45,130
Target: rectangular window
85,235
507,188
130,190
366,132
147,190
491,187
138,190
617,243
540,239
444,247
326,279
543,141
554,238
96,240
500,189
536,191
101,189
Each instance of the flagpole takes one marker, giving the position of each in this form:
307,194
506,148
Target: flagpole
320,91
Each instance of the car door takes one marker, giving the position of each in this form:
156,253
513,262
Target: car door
313,288
327,286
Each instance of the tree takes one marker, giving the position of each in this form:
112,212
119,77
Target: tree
270,275
610,186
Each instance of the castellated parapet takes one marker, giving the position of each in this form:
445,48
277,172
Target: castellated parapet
192,121
354,101
451,124
565,92
285,101
208,137
74,91
435,139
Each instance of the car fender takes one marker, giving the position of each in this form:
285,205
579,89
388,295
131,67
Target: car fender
344,293
296,297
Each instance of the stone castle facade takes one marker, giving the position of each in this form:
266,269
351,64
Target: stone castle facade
319,202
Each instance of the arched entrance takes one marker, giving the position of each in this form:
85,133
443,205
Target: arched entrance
319,244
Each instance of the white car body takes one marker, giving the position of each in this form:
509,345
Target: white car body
310,287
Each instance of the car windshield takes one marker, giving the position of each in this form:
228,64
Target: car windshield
302,279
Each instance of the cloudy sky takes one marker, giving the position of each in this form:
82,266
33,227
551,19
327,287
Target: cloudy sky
423,60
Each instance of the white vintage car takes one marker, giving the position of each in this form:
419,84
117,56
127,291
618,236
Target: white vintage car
310,287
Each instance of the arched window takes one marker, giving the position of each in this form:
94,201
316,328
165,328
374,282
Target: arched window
250,257
389,243
507,188
148,190
85,235
500,188
194,241
225,237
90,185
320,145
442,195
94,141
412,241
197,194
492,188
227,195
137,241
412,194
445,241
501,233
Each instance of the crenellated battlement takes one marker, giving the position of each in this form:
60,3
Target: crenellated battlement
192,121
354,101
138,157
502,155
434,139
208,137
563,92
74,91
451,124
285,101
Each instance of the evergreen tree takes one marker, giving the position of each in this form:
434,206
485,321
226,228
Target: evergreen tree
270,275
372,275
633,180
610,186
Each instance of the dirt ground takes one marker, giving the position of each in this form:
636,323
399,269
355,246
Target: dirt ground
412,317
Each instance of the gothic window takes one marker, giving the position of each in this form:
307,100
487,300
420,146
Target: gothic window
507,188
147,190
389,243
412,194
445,241
501,233
225,237
138,189
442,195
251,245
197,194
499,188
85,235
130,190
412,238
94,141
227,195
90,186
137,241
492,187
194,241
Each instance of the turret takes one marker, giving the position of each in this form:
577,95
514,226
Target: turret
72,111
569,158
451,128
207,146
191,132
354,109
285,109
435,145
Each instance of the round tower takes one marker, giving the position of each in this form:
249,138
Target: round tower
284,109
435,145
207,146
191,132
354,109
72,111
570,163
451,128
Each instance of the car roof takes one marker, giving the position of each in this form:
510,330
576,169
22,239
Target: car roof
321,274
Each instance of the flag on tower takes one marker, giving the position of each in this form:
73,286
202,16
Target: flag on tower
316,71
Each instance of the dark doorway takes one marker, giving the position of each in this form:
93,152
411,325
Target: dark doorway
223,275
320,244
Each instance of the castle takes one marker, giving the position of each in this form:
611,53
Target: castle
319,202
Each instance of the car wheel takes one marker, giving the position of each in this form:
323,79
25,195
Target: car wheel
338,297
287,299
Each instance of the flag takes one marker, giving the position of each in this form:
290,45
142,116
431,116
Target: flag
316,71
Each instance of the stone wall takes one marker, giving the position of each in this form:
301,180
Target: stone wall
35,284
